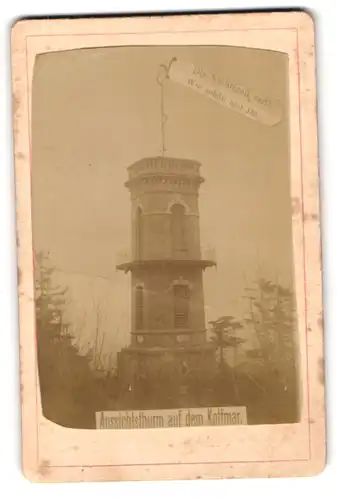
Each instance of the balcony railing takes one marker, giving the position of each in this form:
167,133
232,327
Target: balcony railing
123,257
207,254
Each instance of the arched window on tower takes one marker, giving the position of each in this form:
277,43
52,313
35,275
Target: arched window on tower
178,235
181,297
139,233
139,308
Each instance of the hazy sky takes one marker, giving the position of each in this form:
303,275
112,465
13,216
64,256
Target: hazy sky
96,111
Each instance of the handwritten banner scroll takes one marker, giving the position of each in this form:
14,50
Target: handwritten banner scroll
226,92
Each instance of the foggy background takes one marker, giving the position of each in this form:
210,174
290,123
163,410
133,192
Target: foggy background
95,112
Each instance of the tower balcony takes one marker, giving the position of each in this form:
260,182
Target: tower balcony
125,261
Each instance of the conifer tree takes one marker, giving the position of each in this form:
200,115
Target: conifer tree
68,389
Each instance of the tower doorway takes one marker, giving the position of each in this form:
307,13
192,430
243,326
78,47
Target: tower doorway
181,297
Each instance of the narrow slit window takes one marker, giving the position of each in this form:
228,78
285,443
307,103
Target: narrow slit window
139,233
178,230
139,308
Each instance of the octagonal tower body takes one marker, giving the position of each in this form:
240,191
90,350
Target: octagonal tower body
167,303
166,265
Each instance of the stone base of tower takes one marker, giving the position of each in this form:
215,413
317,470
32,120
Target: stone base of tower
166,378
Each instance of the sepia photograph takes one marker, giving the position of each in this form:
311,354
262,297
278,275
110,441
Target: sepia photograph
168,247
163,248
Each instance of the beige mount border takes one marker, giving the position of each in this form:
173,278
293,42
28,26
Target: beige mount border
53,453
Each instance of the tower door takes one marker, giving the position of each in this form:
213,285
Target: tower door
139,308
181,306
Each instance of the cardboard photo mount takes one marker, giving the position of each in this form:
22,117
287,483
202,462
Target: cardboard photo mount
51,453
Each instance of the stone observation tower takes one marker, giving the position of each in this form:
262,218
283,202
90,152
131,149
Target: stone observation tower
168,334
